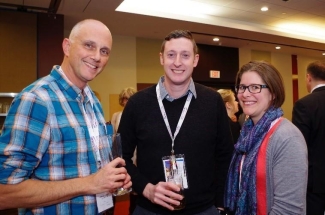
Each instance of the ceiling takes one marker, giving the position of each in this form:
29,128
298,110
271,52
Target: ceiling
298,26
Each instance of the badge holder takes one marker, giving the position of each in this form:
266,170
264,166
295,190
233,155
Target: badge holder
175,164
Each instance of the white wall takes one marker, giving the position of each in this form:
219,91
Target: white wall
149,68
120,71
245,55
283,63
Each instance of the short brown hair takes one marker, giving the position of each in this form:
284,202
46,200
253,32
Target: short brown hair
317,70
270,75
180,34
126,93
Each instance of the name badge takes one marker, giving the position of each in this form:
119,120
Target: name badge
104,201
180,167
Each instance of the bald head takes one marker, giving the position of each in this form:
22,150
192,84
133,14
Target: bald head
88,25
86,52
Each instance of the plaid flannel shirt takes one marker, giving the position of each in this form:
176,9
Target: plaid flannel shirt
45,137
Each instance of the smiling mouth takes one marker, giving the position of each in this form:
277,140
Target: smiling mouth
249,103
178,71
90,65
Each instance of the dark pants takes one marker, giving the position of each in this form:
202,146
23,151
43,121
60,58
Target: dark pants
141,211
315,203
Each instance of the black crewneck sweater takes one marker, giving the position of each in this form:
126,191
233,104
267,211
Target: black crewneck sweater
204,138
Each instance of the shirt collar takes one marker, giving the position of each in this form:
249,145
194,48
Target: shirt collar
164,93
317,86
73,90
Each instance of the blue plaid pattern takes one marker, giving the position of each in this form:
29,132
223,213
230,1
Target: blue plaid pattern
45,137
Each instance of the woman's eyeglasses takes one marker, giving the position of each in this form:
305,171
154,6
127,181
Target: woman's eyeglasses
253,88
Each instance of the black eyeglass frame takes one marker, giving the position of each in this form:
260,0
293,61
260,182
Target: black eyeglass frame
247,87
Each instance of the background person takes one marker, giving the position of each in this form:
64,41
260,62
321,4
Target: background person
54,150
231,104
124,96
309,116
268,171
200,135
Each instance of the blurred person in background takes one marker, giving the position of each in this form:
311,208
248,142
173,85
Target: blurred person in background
309,116
231,104
124,96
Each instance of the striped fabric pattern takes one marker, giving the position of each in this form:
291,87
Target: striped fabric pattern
45,137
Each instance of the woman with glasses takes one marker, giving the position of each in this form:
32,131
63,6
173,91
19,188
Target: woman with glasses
268,172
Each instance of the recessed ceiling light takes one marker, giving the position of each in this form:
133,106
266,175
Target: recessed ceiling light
264,9
277,47
324,53
216,39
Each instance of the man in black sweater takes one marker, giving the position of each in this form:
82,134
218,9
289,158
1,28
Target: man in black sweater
194,125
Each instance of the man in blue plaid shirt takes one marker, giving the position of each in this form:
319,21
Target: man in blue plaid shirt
54,150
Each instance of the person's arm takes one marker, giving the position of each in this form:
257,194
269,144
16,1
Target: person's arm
290,171
34,193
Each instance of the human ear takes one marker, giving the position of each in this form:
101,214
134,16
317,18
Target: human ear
228,105
196,60
161,58
66,46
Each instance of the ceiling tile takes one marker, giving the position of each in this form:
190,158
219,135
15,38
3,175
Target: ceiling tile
301,5
318,9
226,12
301,17
318,21
255,18
245,4
276,11
216,2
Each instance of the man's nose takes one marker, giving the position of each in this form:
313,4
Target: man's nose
178,60
96,55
